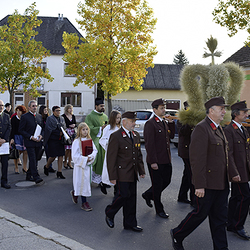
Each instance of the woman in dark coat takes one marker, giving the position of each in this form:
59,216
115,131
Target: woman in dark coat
16,137
70,121
53,137
43,111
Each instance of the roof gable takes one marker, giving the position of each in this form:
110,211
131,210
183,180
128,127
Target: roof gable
242,57
50,32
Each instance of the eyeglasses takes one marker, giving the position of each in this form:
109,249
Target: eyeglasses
33,105
58,110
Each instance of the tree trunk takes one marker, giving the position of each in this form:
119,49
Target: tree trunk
109,103
11,92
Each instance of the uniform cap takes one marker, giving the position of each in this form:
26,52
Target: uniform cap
158,102
240,106
129,115
216,101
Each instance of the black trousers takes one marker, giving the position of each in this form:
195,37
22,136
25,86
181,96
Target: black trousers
32,154
160,179
125,197
238,206
186,182
4,161
213,205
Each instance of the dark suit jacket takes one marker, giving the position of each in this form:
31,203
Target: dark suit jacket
5,126
238,154
184,139
208,156
124,159
27,128
157,141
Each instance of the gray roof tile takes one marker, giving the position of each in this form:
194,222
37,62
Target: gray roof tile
50,32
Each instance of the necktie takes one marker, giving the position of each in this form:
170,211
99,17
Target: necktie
131,137
243,131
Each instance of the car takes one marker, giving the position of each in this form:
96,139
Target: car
142,117
144,114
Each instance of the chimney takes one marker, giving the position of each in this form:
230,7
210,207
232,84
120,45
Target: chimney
58,16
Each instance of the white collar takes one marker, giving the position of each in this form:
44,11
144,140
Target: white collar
217,125
158,117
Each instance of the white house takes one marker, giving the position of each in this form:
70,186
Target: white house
61,91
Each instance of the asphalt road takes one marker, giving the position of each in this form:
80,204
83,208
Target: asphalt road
50,206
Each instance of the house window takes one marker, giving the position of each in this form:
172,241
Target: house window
71,98
41,100
42,65
18,99
67,75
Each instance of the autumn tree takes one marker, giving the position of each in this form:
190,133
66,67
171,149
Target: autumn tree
20,53
180,58
212,46
117,48
234,15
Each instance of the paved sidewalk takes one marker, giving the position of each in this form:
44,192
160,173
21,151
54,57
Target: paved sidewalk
18,233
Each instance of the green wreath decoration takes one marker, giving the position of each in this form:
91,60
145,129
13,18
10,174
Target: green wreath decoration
202,82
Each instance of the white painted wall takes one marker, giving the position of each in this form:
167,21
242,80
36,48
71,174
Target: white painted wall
55,64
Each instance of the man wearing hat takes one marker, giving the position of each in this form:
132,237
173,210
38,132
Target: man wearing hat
157,132
209,161
185,131
97,121
124,162
239,170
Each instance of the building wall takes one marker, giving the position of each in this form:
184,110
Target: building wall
245,92
152,94
61,84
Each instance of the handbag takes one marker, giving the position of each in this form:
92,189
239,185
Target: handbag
65,142
14,153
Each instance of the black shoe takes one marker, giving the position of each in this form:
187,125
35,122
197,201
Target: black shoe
242,234
103,188
29,178
38,180
46,170
148,201
110,222
163,215
5,185
184,201
106,185
176,245
52,170
135,229
60,175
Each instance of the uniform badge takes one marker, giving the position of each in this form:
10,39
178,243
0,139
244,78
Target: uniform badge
124,134
133,133
213,126
235,126
157,119
248,140
137,145
169,131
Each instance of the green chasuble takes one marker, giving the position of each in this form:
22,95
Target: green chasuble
95,121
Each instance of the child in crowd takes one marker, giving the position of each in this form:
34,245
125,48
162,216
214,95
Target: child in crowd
82,167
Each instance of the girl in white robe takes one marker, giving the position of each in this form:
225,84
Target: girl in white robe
82,167
114,125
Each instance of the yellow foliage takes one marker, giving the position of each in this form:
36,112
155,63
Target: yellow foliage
117,47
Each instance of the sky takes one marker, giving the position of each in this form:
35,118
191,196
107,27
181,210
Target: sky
182,25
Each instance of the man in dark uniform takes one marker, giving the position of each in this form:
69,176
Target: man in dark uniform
4,137
157,133
209,160
184,132
27,127
239,170
124,162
